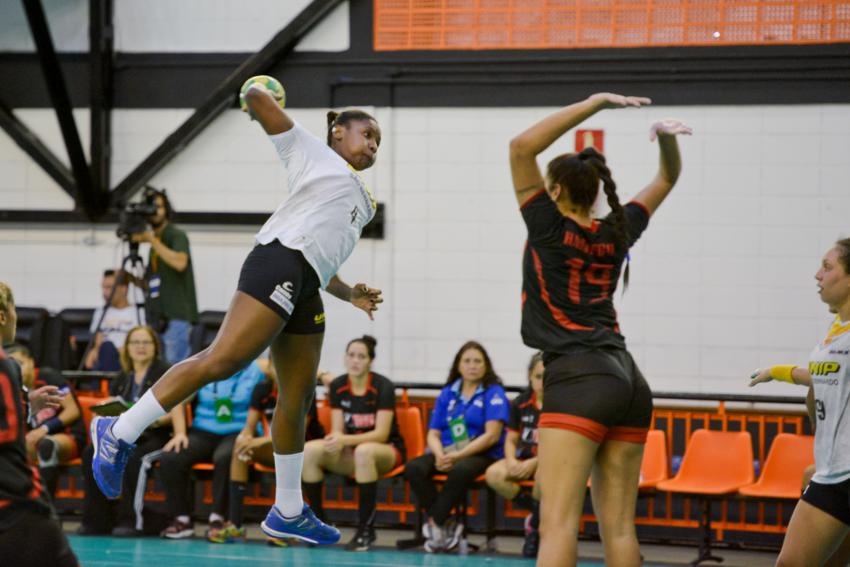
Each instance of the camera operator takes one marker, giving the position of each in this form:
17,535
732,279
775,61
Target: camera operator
170,282
115,323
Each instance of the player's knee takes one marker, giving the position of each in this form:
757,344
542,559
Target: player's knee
495,474
364,455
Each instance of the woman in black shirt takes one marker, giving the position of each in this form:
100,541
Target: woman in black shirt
364,440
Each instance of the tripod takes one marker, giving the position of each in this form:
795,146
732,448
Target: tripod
133,267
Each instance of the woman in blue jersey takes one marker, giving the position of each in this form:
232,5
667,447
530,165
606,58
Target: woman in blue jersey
465,436
299,250
597,406
821,520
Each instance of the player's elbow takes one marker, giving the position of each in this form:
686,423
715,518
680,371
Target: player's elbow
520,147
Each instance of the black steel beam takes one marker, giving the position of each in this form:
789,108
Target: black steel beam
101,55
223,97
36,149
62,104
375,229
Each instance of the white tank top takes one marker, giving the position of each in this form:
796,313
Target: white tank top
829,364
328,203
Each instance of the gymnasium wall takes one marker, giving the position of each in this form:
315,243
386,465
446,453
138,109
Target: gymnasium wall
722,281
182,26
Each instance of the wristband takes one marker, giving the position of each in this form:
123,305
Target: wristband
783,372
53,425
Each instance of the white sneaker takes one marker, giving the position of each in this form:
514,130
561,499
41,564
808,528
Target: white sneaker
454,533
436,538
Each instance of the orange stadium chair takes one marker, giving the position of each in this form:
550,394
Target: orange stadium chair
782,476
716,464
653,468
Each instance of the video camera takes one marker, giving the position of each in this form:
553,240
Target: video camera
133,218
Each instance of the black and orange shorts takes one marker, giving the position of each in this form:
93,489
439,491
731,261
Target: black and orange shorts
599,393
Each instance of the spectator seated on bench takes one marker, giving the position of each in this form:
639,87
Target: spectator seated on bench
465,436
141,367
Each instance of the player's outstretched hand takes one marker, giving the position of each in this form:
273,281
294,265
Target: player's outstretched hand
760,375
366,298
669,127
612,100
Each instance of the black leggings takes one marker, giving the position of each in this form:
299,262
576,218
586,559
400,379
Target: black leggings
97,508
36,540
459,479
175,469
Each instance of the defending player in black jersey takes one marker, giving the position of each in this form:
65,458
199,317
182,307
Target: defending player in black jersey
597,405
29,536
364,440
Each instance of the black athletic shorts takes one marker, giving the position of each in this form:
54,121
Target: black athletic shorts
282,280
834,499
599,393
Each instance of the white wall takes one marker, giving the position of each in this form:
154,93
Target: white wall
721,282
184,26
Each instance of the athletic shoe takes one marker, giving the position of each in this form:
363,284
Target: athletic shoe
225,533
306,527
362,540
178,530
454,533
277,542
532,539
110,456
435,538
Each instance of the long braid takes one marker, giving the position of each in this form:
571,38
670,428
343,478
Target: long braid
597,161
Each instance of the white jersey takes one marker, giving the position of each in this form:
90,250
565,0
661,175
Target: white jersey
829,366
328,204
117,323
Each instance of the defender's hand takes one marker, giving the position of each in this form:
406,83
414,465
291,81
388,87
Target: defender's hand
612,100
669,127
760,375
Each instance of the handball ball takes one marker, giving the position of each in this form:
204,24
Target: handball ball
272,84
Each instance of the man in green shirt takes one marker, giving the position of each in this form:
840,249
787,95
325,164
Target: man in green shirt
172,307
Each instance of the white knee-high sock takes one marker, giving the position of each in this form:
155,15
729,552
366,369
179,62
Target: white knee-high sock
287,472
135,420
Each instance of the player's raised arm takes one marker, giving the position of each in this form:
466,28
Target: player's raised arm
524,148
669,163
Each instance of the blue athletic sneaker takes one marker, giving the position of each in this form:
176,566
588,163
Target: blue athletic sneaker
306,527
110,456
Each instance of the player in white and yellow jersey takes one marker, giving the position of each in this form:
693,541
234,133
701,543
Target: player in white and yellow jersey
277,303
821,520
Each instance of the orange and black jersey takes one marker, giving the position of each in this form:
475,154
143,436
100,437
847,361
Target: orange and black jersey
523,419
360,413
20,485
570,273
264,400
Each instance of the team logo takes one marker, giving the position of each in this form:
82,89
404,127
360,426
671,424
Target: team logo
282,295
319,319
824,368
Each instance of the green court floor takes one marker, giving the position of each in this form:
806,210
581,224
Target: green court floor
153,552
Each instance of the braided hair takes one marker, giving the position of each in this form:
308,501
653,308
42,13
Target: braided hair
579,174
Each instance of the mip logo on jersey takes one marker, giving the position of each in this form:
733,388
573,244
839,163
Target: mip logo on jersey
824,368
